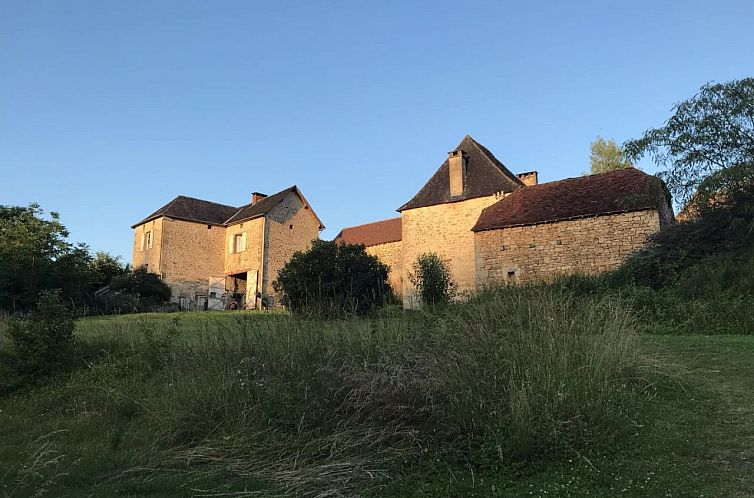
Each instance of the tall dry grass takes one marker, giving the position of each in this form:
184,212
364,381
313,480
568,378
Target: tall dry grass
334,408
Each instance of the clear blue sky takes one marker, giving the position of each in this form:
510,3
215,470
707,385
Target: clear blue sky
110,109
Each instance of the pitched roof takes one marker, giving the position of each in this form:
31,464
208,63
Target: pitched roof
263,206
192,209
371,234
606,193
485,175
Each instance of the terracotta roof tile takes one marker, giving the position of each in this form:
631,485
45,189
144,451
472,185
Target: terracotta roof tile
379,232
617,191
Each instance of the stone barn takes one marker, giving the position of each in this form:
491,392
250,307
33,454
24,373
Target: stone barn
491,225
584,225
383,240
199,247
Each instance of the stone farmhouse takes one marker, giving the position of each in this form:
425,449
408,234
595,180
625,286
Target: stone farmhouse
209,252
490,225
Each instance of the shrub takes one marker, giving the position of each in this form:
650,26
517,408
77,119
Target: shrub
42,342
431,277
333,279
721,223
150,290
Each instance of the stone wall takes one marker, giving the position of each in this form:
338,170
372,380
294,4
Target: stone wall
444,229
249,259
291,226
191,253
144,256
390,254
541,252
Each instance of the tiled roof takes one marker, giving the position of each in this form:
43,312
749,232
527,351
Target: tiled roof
485,175
606,193
260,208
189,208
379,232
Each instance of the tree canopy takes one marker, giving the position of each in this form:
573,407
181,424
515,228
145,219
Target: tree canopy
605,155
711,131
35,255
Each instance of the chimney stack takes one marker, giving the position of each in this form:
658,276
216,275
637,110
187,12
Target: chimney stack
256,197
530,178
457,171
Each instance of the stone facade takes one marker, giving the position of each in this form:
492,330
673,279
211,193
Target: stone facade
544,251
189,254
390,254
290,226
444,229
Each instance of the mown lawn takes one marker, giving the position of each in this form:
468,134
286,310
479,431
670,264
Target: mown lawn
695,437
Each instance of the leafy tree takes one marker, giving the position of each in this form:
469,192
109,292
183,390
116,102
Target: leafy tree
29,248
106,267
333,279
711,131
431,277
605,155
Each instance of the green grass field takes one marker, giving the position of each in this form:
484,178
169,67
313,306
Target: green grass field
154,413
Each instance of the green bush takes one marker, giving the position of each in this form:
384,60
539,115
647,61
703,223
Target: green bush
333,279
148,289
432,280
42,343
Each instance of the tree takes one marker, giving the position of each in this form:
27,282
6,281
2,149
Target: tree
711,131
333,279
106,267
29,248
605,155
431,277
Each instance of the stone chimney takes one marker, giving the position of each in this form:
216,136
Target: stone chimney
256,197
457,172
530,178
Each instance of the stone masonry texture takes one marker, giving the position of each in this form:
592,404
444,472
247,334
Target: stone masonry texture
544,251
444,229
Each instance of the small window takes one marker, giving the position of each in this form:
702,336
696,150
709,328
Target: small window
511,274
149,239
239,242
290,227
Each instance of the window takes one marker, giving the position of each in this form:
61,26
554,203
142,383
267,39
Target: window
511,274
146,240
239,242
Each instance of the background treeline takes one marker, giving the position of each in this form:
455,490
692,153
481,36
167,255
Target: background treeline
36,255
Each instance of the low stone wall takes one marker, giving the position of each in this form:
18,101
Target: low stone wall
543,251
